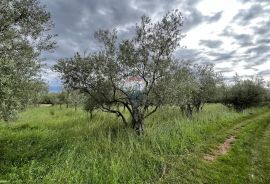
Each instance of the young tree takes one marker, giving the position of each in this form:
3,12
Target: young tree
24,27
110,75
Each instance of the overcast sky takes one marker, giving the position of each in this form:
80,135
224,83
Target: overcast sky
232,34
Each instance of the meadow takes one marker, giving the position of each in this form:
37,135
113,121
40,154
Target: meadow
53,145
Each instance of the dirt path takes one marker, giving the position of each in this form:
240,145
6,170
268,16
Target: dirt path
221,150
225,147
198,167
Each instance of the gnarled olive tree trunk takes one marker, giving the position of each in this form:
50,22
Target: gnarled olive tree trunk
137,120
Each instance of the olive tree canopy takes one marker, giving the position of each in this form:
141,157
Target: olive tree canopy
191,86
244,93
24,33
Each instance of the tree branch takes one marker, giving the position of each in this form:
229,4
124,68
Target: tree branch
150,113
118,113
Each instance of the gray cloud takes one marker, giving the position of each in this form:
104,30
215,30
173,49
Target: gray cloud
244,40
194,18
222,56
76,22
244,17
256,60
214,18
224,70
187,54
265,72
248,1
262,28
211,43
256,45
263,40
259,50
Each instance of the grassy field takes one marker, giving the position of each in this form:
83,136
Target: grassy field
53,145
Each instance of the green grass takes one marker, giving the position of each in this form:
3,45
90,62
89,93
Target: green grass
52,145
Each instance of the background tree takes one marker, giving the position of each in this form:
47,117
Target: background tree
36,91
24,27
191,86
76,98
61,98
268,92
148,56
180,88
207,81
90,105
244,93
50,98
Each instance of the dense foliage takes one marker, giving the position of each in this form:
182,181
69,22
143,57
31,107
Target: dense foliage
24,27
191,86
244,93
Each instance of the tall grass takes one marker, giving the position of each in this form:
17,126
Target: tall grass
52,145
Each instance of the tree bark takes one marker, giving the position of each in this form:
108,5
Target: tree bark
189,111
138,121
198,108
91,115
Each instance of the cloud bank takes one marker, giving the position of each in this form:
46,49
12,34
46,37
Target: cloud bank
234,36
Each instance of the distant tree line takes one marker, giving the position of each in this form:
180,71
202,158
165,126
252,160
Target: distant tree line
69,98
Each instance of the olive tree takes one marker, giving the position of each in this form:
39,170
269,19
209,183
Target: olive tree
76,98
244,93
207,81
37,89
180,88
191,86
268,91
24,33
90,106
109,76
